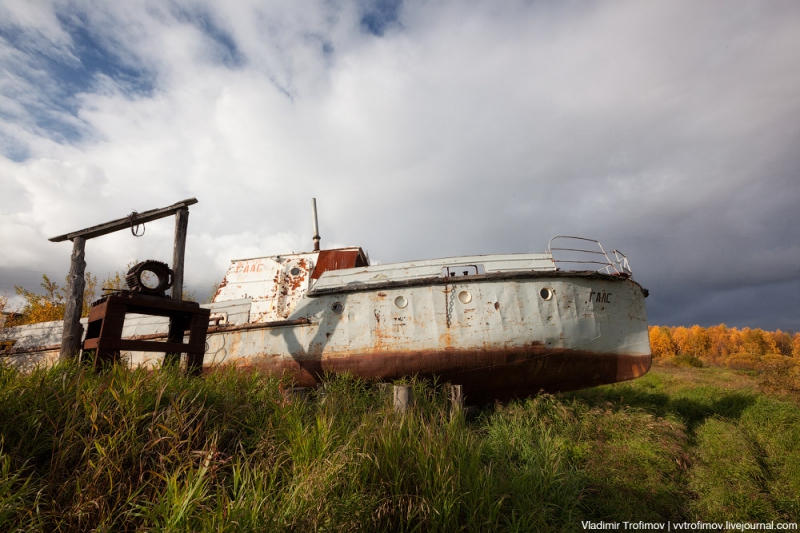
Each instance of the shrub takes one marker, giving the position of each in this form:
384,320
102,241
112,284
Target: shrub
687,360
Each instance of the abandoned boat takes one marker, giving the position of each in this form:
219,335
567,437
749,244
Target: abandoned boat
502,326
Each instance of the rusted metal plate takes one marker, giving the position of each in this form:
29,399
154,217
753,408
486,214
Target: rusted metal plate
273,284
339,259
37,335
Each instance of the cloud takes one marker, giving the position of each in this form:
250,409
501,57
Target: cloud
665,129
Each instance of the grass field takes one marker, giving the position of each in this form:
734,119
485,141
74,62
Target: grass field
132,450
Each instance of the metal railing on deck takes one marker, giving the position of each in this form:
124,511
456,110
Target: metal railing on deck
579,253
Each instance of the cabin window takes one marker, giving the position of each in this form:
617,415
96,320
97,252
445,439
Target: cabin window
464,297
457,271
401,302
337,308
546,293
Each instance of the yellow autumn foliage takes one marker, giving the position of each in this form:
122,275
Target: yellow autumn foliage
3,305
50,305
744,349
661,342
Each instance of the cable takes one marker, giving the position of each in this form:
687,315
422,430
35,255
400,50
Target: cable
134,226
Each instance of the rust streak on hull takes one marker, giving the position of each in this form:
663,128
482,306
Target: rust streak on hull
486,375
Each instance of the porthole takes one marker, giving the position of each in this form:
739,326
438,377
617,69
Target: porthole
546,293
401,302
464,297
337,308
295,271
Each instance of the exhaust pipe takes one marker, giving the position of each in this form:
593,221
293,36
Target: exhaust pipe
316,224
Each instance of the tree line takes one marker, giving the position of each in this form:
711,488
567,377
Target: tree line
720,345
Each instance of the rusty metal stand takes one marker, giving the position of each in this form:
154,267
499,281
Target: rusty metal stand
107,317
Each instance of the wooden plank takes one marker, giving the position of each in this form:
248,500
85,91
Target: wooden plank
143,346
73,330
197,335
123,223
151,306
97,312
138,309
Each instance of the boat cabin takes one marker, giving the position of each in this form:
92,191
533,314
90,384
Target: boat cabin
275,284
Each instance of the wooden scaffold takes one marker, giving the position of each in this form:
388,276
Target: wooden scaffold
107,316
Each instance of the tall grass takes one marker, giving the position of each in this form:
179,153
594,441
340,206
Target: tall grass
132,450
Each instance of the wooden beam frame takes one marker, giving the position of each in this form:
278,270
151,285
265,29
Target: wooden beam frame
123,223
73,331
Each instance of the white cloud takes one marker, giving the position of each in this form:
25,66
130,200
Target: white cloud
668,129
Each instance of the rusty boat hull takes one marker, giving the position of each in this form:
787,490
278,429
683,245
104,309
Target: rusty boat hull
503,327
505,342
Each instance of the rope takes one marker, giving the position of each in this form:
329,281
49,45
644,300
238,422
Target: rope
134,226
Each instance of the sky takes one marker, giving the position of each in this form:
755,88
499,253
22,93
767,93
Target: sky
669,130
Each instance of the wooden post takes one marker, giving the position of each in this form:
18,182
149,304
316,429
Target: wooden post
76,283
457,395
402,398
177,326
456,399
178,252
